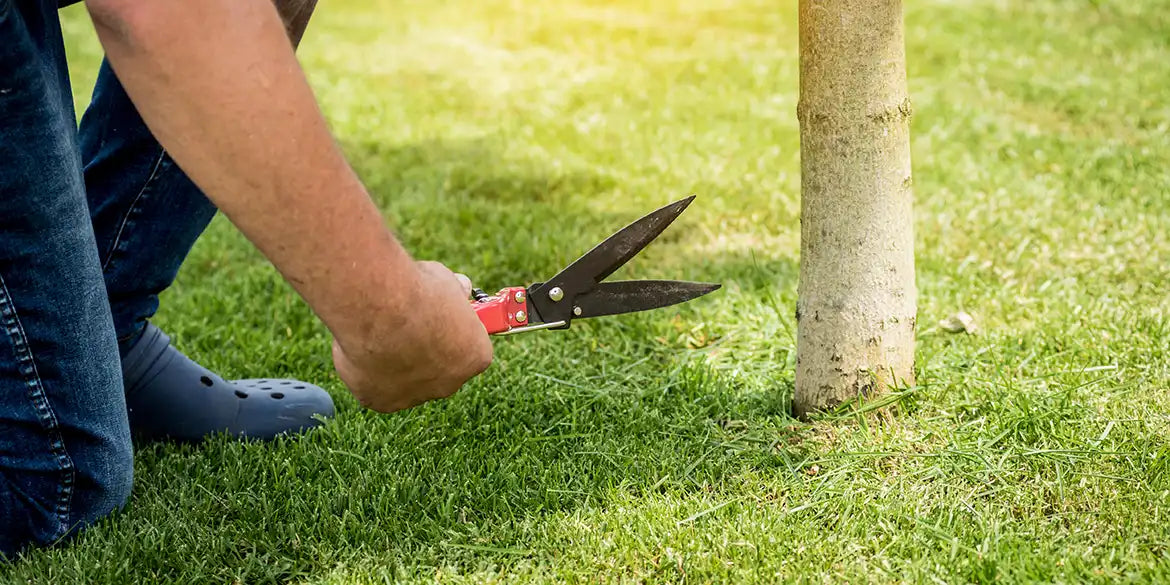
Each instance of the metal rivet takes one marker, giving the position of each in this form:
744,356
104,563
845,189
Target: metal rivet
521,316
556,294
520,296
577,311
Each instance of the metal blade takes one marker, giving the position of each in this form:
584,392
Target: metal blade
629,296
601,261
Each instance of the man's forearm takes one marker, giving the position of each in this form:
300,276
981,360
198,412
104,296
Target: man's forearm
218,84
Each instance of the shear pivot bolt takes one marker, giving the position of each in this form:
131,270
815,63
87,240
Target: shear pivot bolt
577,311
520,296
556,294
521,316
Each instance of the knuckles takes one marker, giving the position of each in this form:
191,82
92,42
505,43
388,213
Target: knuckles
482,361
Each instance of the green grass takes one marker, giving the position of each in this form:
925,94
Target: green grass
504,138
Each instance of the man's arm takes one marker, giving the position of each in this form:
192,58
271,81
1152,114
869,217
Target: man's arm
218,84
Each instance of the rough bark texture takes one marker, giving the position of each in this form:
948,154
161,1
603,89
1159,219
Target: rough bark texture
857,297
295,14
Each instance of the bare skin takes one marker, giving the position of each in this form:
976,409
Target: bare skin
218,85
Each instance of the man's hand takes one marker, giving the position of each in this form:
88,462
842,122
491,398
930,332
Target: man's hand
439,347
218,85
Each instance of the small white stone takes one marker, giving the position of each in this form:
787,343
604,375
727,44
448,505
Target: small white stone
960,322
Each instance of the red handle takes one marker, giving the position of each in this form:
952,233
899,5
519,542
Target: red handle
504,310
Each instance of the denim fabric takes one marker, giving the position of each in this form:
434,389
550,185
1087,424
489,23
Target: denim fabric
93,225
146,213
65,452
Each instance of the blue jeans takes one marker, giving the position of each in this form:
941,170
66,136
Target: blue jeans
94,223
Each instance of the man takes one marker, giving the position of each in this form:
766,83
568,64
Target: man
95,223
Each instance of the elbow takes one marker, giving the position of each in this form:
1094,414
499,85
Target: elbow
120,20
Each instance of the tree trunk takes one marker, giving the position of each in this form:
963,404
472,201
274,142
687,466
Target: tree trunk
857,299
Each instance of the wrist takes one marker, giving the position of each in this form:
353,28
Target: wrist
384,317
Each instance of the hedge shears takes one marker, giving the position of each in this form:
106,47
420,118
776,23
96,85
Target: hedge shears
577,292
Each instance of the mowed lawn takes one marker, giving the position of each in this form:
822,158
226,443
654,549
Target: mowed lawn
505,138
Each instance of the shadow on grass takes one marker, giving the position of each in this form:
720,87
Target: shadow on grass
459,483
506,217
563,426
501,218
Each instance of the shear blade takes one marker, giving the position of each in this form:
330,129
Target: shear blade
583,274
631,296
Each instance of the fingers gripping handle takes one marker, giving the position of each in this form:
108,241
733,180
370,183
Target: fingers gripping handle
502,311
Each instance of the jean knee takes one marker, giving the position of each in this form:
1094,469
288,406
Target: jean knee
117,481
43,508
105,478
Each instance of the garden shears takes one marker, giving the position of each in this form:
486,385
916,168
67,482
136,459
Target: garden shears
577,292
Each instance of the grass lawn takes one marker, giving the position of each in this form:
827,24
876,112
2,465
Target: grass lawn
505,138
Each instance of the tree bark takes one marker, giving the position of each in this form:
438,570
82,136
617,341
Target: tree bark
857,298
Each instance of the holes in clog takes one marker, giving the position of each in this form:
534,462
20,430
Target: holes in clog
277,395
299,387
205,380
241,394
